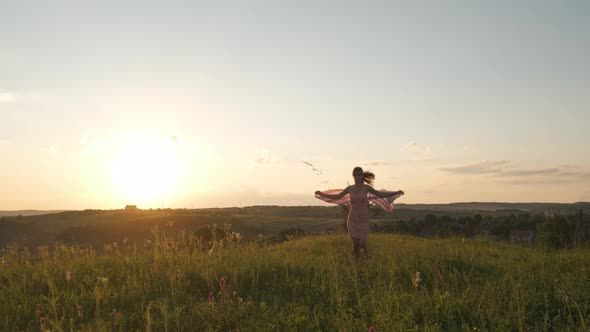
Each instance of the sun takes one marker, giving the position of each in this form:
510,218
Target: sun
146,170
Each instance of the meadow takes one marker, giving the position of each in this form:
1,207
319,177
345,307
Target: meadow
308,284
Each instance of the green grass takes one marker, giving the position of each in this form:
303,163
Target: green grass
309,284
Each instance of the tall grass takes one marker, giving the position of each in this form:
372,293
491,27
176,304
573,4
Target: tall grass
312,283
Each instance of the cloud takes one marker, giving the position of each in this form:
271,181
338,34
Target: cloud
512,175
537,181
410,146
484,167
417,152
262,160
377,163
527,172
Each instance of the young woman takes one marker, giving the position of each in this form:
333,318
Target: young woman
358,196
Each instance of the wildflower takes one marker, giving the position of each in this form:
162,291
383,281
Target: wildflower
79,310
117,317
564,298
68,275
240,300
416,280
372,329
42,323
211,297
103,280
222,284
38,308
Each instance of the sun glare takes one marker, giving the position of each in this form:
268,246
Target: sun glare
146,170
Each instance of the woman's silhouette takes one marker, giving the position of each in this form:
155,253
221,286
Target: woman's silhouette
358,196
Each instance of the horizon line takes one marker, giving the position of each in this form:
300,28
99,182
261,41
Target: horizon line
277,205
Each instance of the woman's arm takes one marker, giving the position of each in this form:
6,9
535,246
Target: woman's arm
339,195
382,194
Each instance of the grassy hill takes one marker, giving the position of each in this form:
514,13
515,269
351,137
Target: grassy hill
308,284
26,212
95,227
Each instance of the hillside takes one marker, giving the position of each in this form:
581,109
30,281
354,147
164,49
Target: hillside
98,226
27,212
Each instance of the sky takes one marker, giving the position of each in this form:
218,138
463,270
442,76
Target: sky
189,104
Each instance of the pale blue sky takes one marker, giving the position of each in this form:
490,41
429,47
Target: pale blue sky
449,101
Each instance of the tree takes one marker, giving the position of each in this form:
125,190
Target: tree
430,219
477,217
580,230
556,231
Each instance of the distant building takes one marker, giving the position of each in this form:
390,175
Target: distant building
131,208
524,237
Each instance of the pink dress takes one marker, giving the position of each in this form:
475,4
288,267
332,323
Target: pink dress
358,216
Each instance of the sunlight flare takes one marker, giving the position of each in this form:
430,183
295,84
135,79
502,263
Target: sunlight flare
147,169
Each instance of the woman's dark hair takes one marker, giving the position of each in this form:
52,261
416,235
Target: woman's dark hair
368,177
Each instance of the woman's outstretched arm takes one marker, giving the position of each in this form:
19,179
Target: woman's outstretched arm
383,194
339,195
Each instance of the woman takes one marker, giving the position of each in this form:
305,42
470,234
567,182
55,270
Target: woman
359,196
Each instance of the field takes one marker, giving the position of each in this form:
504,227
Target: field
307,284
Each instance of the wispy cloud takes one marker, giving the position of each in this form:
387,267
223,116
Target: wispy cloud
262,160
483,167
514,175
410,146
537,181
377,163
417,152
527,172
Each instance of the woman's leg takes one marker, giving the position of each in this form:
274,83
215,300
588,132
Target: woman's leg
363,245
355,247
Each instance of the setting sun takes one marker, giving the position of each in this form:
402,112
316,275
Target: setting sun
146,170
